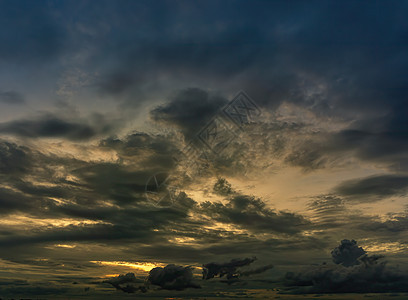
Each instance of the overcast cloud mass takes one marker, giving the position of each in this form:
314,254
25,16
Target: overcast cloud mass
203,149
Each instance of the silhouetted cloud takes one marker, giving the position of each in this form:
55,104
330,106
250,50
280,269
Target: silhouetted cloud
222,187
122,283
347,253
366,274
211,270
172,277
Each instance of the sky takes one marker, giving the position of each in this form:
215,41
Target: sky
203,149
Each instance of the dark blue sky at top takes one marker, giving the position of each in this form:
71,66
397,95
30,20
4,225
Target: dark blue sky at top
342,59
358,48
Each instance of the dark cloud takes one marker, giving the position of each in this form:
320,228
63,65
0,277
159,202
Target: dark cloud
333,215
120,281
229,269
274,52
367,274
307,156
158,151
50,126
222,187
35,290
14,159
347,253
327,206
172,277
376,139
189,111
330,212
256,271
395,224
251,213
369,188
387,145
11,97
114,181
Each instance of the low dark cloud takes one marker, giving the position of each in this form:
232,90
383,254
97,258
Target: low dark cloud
232,270
366,274
125,283
256,271
172,277
211,270
50,126
347,253
369,188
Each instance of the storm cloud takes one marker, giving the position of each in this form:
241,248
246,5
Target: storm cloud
367,274
50,126
172,277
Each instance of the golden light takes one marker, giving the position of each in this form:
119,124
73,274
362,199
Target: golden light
144,266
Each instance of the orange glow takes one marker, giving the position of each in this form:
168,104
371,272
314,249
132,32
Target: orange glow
144,266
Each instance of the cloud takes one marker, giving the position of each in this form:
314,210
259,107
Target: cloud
120,281
157,151
108,196
366,274
172,277
211,270
307,156
256,271
49,126
11,97
380,140
253,214
189,111
14,159
369,188
394,224
222,187
230,270
347,253
332,213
